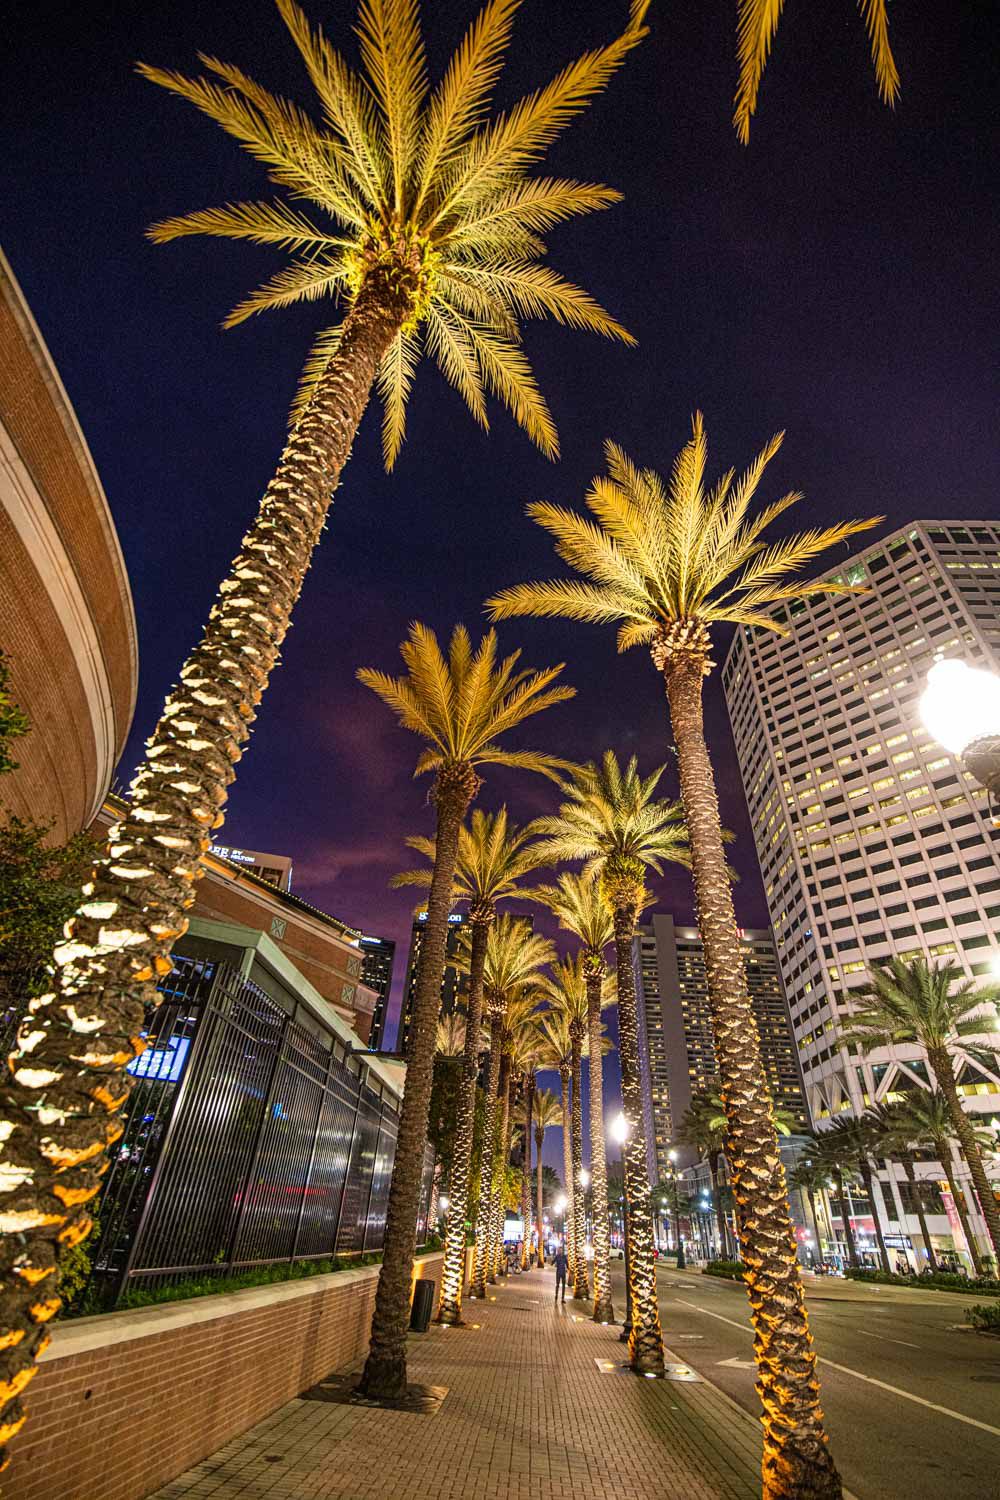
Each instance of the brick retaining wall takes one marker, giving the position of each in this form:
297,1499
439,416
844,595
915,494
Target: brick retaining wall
125,1402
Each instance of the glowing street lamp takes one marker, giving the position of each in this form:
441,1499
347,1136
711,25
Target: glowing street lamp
960,707
444,1203
584,1178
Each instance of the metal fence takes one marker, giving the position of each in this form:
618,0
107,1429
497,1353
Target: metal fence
253,1135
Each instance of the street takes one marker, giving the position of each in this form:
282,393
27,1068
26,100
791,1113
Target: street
911,1401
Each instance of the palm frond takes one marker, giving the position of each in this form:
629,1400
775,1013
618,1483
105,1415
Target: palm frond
393,54
756,25
263,223
302,281
508,374
876,20
450,345
325,346
535,291
395,377
562,597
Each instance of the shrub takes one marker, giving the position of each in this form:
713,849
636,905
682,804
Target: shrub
731,1270
942,1281
985,1316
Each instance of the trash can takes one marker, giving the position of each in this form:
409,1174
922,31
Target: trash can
423,1306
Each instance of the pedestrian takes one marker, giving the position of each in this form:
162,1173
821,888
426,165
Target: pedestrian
561,1264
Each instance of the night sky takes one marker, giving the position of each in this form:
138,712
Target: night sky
836,279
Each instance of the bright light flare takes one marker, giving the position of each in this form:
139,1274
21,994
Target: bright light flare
960,705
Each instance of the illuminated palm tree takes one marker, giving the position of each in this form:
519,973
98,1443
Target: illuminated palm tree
577,903
933,1006
429,235
526,1048
556,1055
460,705
703,1126
851,1141
514,956
493,856
757,23
929,1124
893,1128
811,1176
670,559
836,1155
548,1112
612,821
520,1040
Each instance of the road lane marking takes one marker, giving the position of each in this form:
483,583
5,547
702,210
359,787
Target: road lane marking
737,1364
883,1385
886,1339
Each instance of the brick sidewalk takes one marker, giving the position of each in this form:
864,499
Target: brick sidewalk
528,1414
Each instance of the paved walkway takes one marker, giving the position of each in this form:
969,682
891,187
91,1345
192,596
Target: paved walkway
529,1413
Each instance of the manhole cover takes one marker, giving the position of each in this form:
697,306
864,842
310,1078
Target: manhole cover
341,1390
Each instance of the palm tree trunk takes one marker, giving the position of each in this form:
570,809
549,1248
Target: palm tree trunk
604,1311
569,1217
481,1264
540,1206
868,1178
943,1070
123,933
453,1270
529,1102
906,1162
961,1208
797,1461
720,1217
845,1219
581,1278
501,1159
646,1341
384,1374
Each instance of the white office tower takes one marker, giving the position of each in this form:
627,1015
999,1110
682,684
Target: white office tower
872,839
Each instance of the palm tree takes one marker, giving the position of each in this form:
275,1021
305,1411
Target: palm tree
514,956
576,901
670,560
522,1043
556,1054
527,1045
852,1140
434,236
892,1126
611,821
837,1156
493,856
460,705
933,1006
548,1112
811,1176
929,1124
757,23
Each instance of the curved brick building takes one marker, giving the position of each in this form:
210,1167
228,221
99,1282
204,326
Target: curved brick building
66,617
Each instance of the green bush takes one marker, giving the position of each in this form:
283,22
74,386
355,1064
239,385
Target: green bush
985,1316
941,1281
731,1270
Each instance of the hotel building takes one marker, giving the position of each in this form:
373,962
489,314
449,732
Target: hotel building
451,983
377,963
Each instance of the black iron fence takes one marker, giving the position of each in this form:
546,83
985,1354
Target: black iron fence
253,1135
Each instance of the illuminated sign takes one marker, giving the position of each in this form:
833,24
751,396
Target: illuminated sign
240,856
455,916
163,1062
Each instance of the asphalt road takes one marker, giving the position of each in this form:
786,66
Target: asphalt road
903,1389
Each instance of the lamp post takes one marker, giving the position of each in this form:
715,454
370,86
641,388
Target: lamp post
619,1131
681,1262
960,707
584,1180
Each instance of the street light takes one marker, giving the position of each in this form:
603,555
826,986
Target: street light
443,1203
619,1131
960,707
681,1262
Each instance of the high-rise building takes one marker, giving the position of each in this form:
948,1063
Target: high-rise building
678,1026
873,840
451,982
377,963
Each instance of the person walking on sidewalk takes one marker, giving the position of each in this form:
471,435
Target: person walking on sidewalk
561,1264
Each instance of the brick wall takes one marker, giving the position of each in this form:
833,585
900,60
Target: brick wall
123,1403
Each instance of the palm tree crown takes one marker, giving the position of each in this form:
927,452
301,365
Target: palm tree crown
423,189
564,987
493,855
668,557
515,957
931,1004
575,900
548,1111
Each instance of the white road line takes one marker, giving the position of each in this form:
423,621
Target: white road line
883,1385
886,1339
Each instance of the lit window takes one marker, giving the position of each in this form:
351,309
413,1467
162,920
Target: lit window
897,739
882,783
903,755
935,765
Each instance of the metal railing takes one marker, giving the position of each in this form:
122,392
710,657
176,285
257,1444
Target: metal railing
253,1136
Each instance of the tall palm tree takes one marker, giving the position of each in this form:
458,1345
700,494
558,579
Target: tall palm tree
837,1156
811,1176
612,821
493,856
930,1125
548,1112
430,234
526,1048
514,957
460,705
576,901
935,1007
757,23
892,1126
670,560
556,1054
520,1040
852,1139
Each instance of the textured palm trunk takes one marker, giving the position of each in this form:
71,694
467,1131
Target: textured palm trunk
499,1181
845,1218
529,1110
61,1101
943,1070
384,1374
604,1311
482,1248
868,1178
453,1270
569,1217
961,1208
581,1277
646,1341
539,1207
797,1463
906,1162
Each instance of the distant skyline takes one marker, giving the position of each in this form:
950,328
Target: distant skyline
837,279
